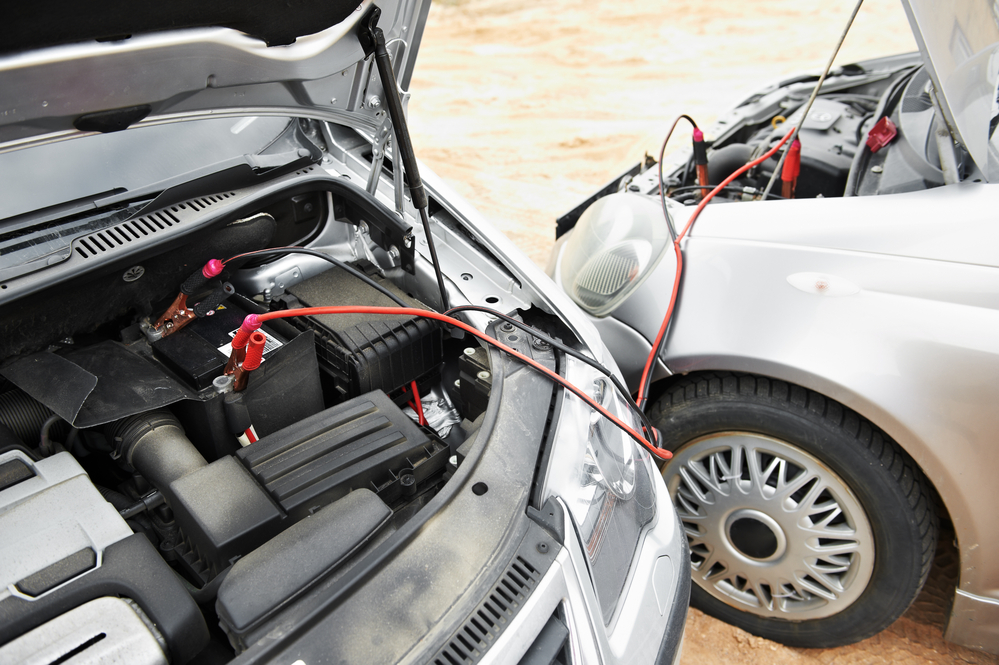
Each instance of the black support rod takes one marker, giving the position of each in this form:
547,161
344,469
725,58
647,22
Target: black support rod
375,39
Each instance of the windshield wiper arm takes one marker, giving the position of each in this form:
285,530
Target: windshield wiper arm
234,173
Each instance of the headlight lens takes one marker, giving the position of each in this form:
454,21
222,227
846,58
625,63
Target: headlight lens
614,246
604,478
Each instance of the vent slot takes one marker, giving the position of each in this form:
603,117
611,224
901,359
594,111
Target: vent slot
140,228
492,616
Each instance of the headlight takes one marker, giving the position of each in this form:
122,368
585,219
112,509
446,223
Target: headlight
614,246
604,478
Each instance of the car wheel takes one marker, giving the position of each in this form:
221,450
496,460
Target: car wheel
807,524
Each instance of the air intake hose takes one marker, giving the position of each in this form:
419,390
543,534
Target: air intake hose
24,416
154,444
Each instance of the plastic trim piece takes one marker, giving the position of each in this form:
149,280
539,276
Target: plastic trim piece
267,579
507,596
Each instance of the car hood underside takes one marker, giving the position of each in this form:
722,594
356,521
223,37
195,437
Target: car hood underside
108,69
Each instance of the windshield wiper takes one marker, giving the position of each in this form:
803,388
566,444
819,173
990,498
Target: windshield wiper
235,173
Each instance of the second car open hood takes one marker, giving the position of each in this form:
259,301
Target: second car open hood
289,58
959,42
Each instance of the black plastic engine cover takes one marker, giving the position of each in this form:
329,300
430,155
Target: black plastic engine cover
223,513
362,352
366,442
265,580
830,137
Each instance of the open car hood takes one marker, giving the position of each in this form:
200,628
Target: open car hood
959,41
96,71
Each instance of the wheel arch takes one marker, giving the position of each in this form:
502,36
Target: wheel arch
907,439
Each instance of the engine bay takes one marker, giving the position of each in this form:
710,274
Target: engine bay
891,100
137,462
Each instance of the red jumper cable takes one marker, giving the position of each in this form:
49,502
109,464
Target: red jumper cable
409,311
643,388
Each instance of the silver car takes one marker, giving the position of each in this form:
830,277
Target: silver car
828,380
268,395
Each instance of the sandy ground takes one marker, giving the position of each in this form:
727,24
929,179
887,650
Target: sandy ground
527,107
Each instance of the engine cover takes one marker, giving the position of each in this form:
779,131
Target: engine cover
366,442
64,546
55,524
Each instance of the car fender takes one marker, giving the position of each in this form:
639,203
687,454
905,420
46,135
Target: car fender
909,342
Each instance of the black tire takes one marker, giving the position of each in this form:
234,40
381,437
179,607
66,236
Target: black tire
890,488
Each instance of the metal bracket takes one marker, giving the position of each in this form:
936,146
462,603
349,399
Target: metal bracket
378,147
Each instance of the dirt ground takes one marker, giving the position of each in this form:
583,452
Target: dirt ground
526,107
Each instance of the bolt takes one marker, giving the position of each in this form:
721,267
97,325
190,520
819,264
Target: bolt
877,169
543,548
407,241
507,327
407,482
374,102
394,253
469,352
363,226
483,375
540,344
457,383
333,100
453,460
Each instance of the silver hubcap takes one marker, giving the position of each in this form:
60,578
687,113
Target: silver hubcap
772,530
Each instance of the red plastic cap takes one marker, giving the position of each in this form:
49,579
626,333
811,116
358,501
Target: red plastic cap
792,163
881,134
254,351
212,269
698,135
241,338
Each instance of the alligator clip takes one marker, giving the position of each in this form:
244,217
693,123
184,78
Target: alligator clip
792,168
254,356
178,314
701,162
250,324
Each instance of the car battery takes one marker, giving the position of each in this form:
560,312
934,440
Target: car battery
198,352
364,352
284,389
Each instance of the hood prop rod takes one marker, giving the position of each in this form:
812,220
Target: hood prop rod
373,41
